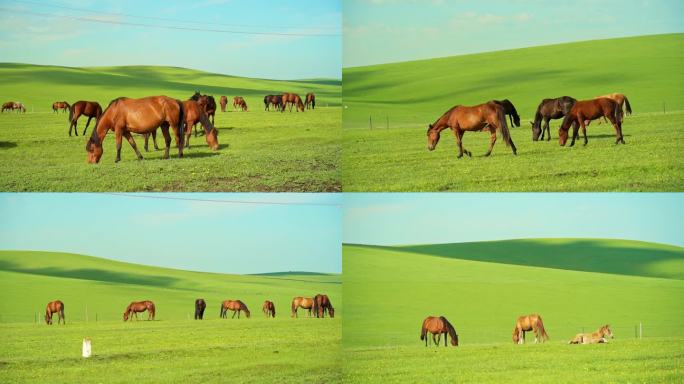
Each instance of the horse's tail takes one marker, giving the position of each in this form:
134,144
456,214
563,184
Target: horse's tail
71,112
315,306
504,127
181,123
629,108
617,112
542,331
423,330
272,309
293,306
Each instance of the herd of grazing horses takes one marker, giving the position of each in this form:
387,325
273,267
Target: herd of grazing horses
491,116
13,106
438,326
320,305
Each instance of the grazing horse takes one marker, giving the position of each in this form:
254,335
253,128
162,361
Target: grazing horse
509,109
223,101
52,308
621,99
193,114
526,324
322,305
63,105
19,107
85,108
438,326
303,302
310,100
124,115
200,306
292,99
587,110
238,101
550,109
593,338
275,100
140,306
236,306
268,308
8,106
207,102
477,118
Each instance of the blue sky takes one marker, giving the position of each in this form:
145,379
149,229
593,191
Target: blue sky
428,218
195,235
45,32
384,31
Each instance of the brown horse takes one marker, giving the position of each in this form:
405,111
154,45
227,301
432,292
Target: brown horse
294,100
268,308
124,115
200,306
550,109
621,99
273,100
8,106
310,100
587,110
193,114
236,306
207,102
20,107
52,308
438,326
223,101
322,305
239,102
303,302
509,109
63,105
86,108
593,338
526,324
139,306
477,118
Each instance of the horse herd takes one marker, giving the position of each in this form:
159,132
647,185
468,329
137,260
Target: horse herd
319,304
438,326
490,116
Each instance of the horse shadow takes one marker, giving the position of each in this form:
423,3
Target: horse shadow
7,144
604,135
199,155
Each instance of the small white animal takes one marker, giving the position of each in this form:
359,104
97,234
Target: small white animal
87,347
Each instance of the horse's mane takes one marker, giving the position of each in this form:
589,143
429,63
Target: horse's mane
450,329
442,116
94,138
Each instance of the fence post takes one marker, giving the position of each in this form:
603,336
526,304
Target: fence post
663,107
86,313
636,334
370,122
35,316
387,121
640,331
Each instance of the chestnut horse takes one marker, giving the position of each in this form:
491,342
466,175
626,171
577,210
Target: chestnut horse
509,109
85,108
8,106
124,115
193,114
621,99
223,101
238,101
200,306
275,100
438,326
460,119
52,308
63,105
587,110
303,302
292,99
268,308
310,100
139,306
526,324
593,338
236,306
322,305
550,109
207,102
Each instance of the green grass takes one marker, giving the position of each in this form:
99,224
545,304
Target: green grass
259,151
483,287
413,94
174,347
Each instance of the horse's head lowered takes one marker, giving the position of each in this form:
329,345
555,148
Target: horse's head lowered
516,336
94,148
433,137
563,130
536,130
125,316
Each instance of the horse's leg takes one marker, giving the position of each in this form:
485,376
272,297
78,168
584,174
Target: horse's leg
575,129
154,140
445,335
129,137
87,124
188,132
167,140
547,128
233,315
617,125
117,133
178,135
492,140
74,124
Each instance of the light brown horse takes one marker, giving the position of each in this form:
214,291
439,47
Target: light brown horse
124,115
236,306
593,338
223,101
488,116
193,114
239,102
438,326
294,100
19,107
268,308
63,105
587,110
86,108
301,302
622,100
529,323
322,305
52,308
310,100
140,306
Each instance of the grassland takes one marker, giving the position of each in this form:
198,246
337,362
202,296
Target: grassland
260,151
408,96
174,347
482,287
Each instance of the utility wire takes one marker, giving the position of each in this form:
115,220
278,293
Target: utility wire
151,196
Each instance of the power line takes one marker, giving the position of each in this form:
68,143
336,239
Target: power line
221,201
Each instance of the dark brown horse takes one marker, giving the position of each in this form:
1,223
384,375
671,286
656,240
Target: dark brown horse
488,116
294,100
139,306
207,102
125,116
193,114
273,100
526,324
509,109
8,106
63,105
239,102
200,306
52,308
550,109
268,308
310,101
86,108
438,326
236,306
223,101
322,305
587,110
303,302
